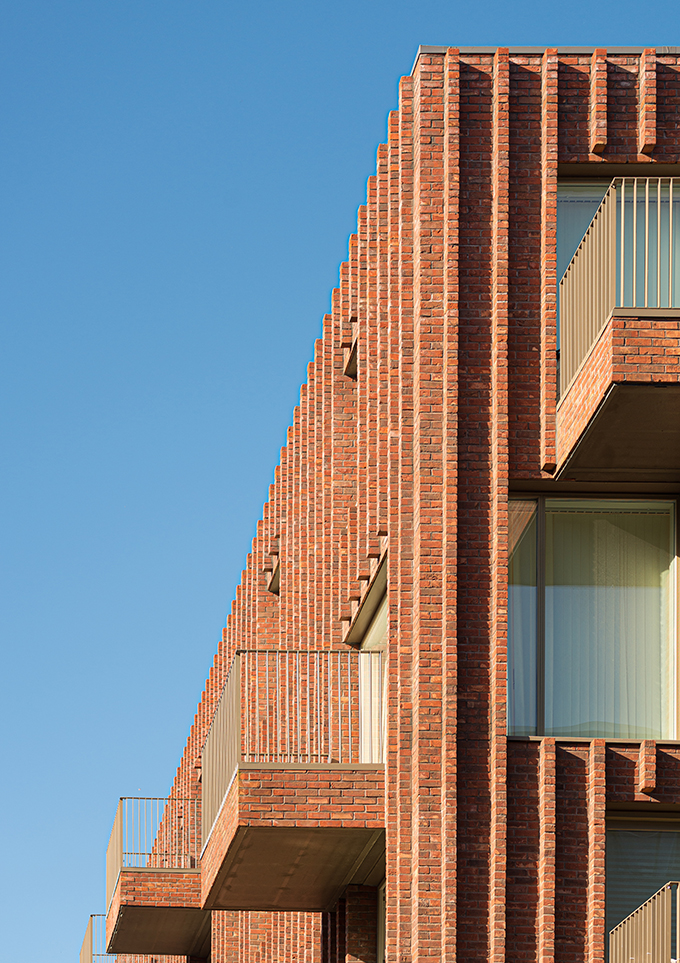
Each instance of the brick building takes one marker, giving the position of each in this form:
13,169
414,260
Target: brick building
443,719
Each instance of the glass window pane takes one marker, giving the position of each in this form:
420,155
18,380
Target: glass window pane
608,619
522,618
577,204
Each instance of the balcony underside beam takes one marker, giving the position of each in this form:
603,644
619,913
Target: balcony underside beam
634,435
296,868
161,930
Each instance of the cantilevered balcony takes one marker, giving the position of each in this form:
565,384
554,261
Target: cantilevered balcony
93,949
651,934
153,879
618,416
293,781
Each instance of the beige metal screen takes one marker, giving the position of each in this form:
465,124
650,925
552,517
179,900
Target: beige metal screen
222,749
650,933
93,949
588,289
86,948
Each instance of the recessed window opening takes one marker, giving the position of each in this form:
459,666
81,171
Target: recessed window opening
639,862
591,624
372,665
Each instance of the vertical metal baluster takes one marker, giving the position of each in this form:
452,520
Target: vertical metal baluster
266,709
298,704
635,202
646,242
321,712
658,242
622,252
277,662
329,706
350,734
288,719
309,708
319,709
257,707
338,689
670,242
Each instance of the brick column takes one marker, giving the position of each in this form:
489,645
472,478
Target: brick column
499,502
549,151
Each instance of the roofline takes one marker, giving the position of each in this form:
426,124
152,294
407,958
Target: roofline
633,51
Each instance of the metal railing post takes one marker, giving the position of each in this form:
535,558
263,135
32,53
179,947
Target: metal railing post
86,948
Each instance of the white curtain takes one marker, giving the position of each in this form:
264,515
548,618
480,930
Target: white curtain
609,663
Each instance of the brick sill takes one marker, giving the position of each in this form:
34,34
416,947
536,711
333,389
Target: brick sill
588,739
312,766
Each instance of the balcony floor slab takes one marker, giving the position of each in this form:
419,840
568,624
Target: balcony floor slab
158,912
293,840
620,418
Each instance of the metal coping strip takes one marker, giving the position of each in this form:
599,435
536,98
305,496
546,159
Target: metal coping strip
516,51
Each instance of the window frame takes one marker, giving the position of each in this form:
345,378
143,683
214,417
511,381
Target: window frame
541,498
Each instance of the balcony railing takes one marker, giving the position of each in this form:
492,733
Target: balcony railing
293,707
650,933
152,833
629,258
93,949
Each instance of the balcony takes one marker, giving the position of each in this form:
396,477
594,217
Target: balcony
93,949
293,781
650,933
618,417
153,879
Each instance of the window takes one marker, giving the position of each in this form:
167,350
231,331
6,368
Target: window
372,664
591,634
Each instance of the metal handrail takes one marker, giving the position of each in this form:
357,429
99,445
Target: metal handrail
651,934
152,833
93,949
293,707
628,258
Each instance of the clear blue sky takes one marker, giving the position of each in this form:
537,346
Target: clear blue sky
178,181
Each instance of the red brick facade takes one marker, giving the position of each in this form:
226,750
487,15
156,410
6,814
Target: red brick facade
494,847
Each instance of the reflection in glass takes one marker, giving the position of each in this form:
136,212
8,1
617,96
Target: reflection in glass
522,618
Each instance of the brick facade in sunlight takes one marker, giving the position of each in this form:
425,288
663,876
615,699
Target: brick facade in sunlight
432,396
